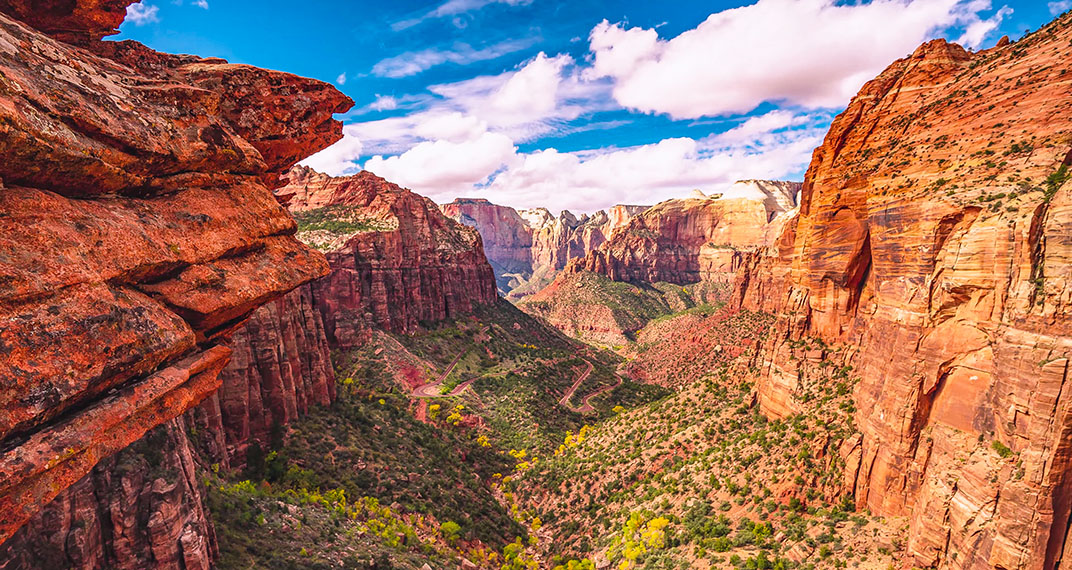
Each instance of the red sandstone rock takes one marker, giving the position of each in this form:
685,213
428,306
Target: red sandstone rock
506,236
694,239
73,22
140,508
144,180
411,264
527,248
925,242
281,366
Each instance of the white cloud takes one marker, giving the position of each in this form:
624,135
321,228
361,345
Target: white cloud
341,79
338,159
465,160
650,173
140,14
813,53
201,4
977,31
446,167
412,63
384,103
1059,7
454,8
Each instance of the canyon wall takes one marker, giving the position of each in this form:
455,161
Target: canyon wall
697,238
147,180
527,248
140,508
280,366
143,507
396,260
506,235
933,241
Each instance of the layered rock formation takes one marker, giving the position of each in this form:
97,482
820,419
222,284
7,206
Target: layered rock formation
527,248
506,235
396,261
140,508
146,179
697,238
280,366
933,242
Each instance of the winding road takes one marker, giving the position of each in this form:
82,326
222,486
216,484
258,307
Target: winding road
432,389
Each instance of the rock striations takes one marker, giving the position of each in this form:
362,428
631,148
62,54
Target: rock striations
527,248
137,229
933,240
396,261
697,238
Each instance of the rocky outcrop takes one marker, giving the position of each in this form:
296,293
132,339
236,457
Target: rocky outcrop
933,240
140,508
527,248
396,260
146,179
694,239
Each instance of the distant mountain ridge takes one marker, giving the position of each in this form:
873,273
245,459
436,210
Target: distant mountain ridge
527,248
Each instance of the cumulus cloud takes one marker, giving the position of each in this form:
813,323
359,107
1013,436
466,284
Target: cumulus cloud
201,4
338,159
650,173
341,79
978,30
1059,7
813,53
538,97
140,14
807,57
412,63
467,160
444,167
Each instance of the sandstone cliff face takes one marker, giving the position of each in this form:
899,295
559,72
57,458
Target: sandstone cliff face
933,239
507,238
146,179
694,239
140,508
527,248
396,260
280,366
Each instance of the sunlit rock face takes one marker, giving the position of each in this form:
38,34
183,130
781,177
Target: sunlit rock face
699,238
527,248
933,241
396,262
137,229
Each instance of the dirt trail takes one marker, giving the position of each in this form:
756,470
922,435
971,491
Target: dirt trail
573,390
431,390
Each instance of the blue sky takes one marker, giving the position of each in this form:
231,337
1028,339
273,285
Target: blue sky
578,104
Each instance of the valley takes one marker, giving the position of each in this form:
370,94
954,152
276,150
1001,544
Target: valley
215,357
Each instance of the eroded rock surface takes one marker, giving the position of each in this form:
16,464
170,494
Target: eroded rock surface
527,248
694,239
137,229
933,240
396,260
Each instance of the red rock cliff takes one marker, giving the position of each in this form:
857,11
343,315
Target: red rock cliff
507,238
146,181
934,239
527,248
694,239
396,260
140,508
281,365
